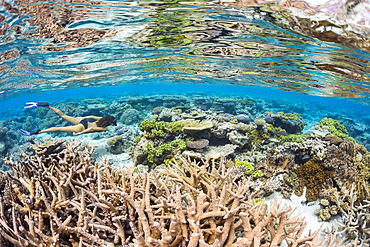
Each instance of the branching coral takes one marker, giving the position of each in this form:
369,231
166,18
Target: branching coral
66,199
57,199
356,220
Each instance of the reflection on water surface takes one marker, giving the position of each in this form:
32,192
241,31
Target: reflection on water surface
70,44
189,67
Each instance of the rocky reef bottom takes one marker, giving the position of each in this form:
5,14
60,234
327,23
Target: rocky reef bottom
180,171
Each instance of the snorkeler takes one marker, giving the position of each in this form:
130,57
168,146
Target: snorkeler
81,125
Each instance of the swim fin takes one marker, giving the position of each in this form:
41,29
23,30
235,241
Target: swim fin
36,104
26,133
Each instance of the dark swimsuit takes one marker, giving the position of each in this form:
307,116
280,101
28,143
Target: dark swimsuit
84,123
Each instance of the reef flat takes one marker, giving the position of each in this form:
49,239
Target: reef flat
196,172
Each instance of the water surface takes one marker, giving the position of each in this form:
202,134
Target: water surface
60,45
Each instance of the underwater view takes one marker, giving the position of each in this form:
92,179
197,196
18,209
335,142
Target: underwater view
185,123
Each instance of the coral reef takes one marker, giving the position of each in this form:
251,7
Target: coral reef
115,144
131,116
64,198
268,152
291,122
199,144
312,175
214,152
243,118
355,216
158,142
154,128
192,126
334,127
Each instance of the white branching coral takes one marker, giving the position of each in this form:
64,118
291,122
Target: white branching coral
355,217
64,198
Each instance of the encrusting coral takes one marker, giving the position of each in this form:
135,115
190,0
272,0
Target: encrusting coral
64,198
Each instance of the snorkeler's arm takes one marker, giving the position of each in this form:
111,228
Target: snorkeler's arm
90,130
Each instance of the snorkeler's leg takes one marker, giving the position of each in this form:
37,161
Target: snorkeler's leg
70,119
30,105
69,129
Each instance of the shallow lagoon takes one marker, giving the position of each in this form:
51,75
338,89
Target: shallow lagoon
226,62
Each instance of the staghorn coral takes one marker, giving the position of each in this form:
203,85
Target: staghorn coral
48,146
66,199
355,216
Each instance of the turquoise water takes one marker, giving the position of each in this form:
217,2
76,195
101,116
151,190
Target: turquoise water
231,63
116,43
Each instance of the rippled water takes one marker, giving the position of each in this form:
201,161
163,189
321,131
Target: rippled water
52,45
230,58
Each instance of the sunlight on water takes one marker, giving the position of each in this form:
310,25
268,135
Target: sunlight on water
83,44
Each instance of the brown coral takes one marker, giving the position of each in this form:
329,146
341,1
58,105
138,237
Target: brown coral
199,144
66,199
312,175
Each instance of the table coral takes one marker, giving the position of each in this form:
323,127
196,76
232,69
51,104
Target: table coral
192,126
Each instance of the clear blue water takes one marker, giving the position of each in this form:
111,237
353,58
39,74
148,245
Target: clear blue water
74,53
70,51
